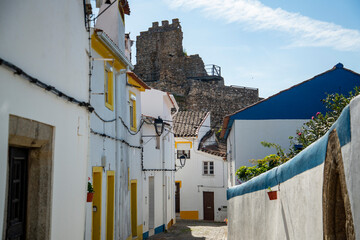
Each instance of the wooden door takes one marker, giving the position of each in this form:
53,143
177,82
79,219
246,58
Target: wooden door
17,194
208,199
177,197
110,211
133,197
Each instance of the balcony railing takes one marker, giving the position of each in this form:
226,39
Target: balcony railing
213,70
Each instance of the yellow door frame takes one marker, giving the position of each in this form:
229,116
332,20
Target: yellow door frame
96,216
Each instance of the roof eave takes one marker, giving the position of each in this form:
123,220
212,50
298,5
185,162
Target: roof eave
111,45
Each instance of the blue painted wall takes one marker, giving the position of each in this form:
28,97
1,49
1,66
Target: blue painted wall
301,101
160,229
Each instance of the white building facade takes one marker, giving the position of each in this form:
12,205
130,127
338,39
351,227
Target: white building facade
316,191
158,164
201,183
278,117
115,142
44,119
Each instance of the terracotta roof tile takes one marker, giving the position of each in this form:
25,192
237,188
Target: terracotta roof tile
215,149
187,123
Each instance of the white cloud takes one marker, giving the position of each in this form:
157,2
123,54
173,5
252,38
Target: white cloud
304,31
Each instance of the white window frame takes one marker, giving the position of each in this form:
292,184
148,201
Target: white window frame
207,170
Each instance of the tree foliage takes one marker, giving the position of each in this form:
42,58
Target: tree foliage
311,131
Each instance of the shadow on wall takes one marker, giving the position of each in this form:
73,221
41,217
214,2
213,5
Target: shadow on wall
184,229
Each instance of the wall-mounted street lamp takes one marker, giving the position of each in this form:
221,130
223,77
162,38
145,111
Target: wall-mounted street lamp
159,126
182,161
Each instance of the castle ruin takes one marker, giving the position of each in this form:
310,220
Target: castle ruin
162,64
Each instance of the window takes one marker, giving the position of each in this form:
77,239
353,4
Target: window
109,87
186,153
208,168
132,108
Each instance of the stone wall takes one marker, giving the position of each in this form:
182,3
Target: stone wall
220,100
162,64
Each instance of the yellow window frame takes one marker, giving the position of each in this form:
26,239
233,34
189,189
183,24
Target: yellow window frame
108,86
177,142
132,114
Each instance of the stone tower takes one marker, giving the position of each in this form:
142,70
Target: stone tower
163,64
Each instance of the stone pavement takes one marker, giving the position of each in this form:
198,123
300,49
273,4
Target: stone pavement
191,229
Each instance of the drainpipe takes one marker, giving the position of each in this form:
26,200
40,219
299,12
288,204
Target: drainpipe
164,179
89,115
117,165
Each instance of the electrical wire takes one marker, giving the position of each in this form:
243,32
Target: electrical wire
106,121
47,87
103,11
193,124
127,128
115,139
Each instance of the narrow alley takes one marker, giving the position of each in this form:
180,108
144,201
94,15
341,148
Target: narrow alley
190,229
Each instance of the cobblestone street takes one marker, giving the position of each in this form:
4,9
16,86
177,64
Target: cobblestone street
188,229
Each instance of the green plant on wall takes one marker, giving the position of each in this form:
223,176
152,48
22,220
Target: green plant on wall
90,188
306,135
262,165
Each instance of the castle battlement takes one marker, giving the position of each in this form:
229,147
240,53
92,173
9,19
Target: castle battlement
162,63
165,26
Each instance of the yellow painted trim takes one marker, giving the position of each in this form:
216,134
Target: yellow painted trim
129,238
193,215
170,223
97,169
140,232
108,87
133,208
134,82
176,143
105,52
110,203
134,128
178,182
129,179
96,220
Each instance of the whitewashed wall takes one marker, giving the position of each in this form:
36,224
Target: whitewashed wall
50,47
104,147
194,183
155,104
134,155
298,211
244,141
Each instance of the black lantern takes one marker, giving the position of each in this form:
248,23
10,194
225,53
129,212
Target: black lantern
182,160
159,126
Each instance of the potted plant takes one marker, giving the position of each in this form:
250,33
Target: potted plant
272,194
90,193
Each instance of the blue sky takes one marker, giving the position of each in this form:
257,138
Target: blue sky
267,44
